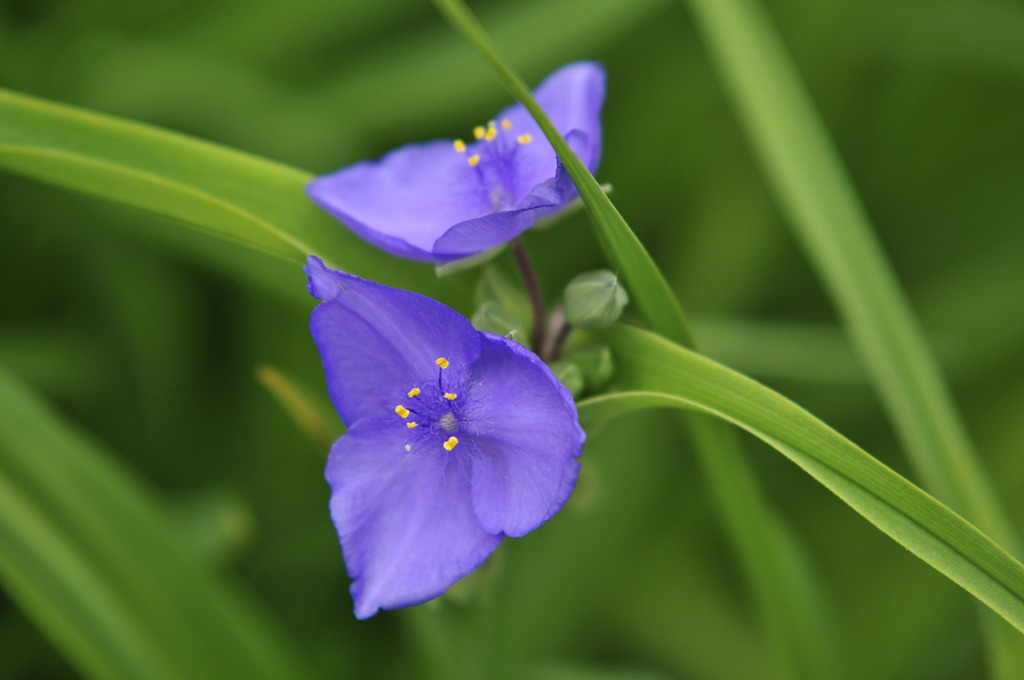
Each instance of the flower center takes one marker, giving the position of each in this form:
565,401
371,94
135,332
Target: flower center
433,411
492,156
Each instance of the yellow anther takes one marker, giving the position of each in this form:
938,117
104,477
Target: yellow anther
491,133
413,392
473,160
411,424
450,397
408,448
442,362
524,139
459,145
450,444
506,124
402,411
479,132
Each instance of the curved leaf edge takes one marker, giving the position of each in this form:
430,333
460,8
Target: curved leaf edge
913,518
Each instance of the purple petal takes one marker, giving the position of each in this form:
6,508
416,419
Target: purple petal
405,519
528,444
475,236
572,97
376,342
403,202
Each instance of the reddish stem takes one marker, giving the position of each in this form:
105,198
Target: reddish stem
536,300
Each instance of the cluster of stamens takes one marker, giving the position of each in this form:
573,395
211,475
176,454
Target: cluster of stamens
447,421
488,133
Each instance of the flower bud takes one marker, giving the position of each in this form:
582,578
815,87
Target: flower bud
595,361
570,375
594,299
493,318
498,296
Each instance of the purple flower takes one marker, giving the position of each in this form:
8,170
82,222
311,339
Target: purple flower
445,200
456,438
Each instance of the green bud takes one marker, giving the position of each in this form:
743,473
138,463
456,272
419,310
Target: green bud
493,318
595,361
506,298
570,375
594,299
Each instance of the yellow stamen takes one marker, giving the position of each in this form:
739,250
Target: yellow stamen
449,396
450,444
506,124
442,362
473,160
459,145
408,448
411,424
402,411
491,133
479,132
413,392
524,139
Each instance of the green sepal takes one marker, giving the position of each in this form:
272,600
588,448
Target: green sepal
570,375
594,299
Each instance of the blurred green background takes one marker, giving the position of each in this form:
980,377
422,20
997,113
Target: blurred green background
147,337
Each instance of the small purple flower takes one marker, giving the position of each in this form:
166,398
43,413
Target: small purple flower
456,438
445,200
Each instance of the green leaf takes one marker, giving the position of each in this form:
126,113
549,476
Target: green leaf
802,166
228,193
93,559
506,299
804,170
777,349
653,372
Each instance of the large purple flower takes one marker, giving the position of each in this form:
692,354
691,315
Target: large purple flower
456,438
445,200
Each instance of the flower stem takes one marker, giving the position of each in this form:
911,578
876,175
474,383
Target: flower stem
536,300
558,331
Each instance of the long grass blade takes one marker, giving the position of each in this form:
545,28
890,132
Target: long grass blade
221,191
653,372
94,561
803,168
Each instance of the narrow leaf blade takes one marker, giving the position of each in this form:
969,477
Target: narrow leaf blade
93,559
231,194
654,372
